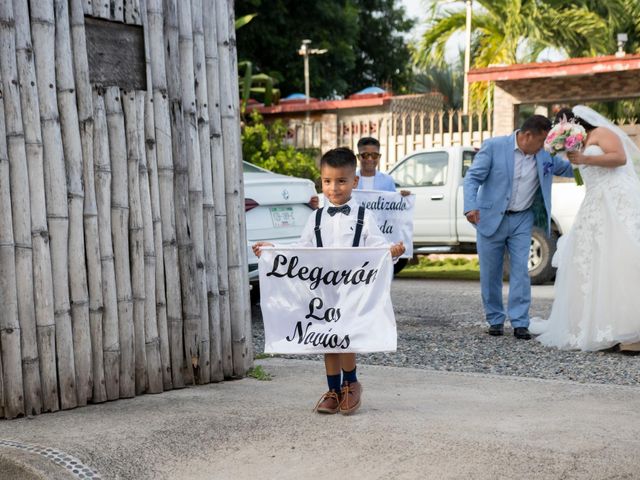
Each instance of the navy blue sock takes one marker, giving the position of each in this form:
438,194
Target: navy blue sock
334,382
349,376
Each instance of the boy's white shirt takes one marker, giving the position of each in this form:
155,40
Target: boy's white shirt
339,230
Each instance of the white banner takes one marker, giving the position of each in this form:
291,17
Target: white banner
327,300
394,214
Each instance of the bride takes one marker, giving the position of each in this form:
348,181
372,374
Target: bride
597,288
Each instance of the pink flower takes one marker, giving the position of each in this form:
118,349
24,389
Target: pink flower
552,135
571,142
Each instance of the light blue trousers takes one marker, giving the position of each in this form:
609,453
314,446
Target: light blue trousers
514,235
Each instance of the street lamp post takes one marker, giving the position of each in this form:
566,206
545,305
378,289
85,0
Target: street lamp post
305,51
467,59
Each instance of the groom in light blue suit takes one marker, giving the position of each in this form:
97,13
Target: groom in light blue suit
509,179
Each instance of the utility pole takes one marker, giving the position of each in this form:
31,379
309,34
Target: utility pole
467,60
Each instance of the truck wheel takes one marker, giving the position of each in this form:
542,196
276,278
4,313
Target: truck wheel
540,255
542,249
399,265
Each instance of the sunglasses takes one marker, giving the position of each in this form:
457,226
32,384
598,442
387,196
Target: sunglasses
369,155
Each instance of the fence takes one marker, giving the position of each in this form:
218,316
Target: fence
399,133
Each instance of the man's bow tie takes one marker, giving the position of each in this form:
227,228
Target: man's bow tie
346,209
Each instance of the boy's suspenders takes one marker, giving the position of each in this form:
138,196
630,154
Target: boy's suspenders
317,227
356,237
359,224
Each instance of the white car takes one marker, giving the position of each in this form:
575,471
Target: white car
276,208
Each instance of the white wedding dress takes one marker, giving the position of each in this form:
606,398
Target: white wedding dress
597,288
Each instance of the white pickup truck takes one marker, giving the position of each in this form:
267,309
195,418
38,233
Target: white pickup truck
435,176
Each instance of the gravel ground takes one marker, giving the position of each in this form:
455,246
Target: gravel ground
441,326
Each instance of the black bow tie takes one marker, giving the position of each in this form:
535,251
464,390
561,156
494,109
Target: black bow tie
346,209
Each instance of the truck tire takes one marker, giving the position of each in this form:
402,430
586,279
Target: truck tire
399,265
540,255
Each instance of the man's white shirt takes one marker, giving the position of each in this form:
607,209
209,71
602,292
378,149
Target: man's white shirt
367,182
525,180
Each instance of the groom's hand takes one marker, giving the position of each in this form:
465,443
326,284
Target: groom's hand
473,216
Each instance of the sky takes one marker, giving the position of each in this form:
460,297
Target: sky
418,9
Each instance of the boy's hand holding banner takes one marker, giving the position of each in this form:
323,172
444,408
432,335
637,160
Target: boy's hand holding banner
327,300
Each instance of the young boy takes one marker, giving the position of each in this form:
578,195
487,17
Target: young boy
370,178
337,223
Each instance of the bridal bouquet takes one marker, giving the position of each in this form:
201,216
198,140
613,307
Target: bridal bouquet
564,137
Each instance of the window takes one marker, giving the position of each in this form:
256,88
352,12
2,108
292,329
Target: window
422,170
467,160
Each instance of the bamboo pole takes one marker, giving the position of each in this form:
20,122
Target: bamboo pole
119,232
237,245
239,178
151,166
150,327
43,281
190,305
11,400
117,9
163,139
160,292
1,370
21,201
102,166
75,194
132,12
91,235
43,33
136,239
217,163
102,9
201,356
210,250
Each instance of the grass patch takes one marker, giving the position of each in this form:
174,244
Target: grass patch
259,373
260,356
455,268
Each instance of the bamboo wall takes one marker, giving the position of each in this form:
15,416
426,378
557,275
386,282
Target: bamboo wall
122,239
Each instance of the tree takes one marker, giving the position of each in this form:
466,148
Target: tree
621,16
382,55
363,39
264,145
517,31
447,79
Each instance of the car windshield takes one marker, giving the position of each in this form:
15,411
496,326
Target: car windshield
247,167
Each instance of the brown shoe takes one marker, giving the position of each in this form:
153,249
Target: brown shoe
328,403
351,394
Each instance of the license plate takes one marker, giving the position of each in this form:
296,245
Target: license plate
282,217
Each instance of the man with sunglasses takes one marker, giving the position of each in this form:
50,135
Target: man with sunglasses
370,178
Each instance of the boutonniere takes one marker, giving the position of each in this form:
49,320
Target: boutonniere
547,168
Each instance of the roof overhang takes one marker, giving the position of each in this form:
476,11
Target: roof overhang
566,68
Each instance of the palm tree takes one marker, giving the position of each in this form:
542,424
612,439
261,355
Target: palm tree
447,79
622,17
517,31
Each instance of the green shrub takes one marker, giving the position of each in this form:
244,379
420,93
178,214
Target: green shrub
264,145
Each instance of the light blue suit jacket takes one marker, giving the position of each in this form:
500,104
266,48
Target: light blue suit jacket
381,181
489,180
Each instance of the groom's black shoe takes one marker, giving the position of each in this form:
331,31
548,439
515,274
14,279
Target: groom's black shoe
496,330
522,333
